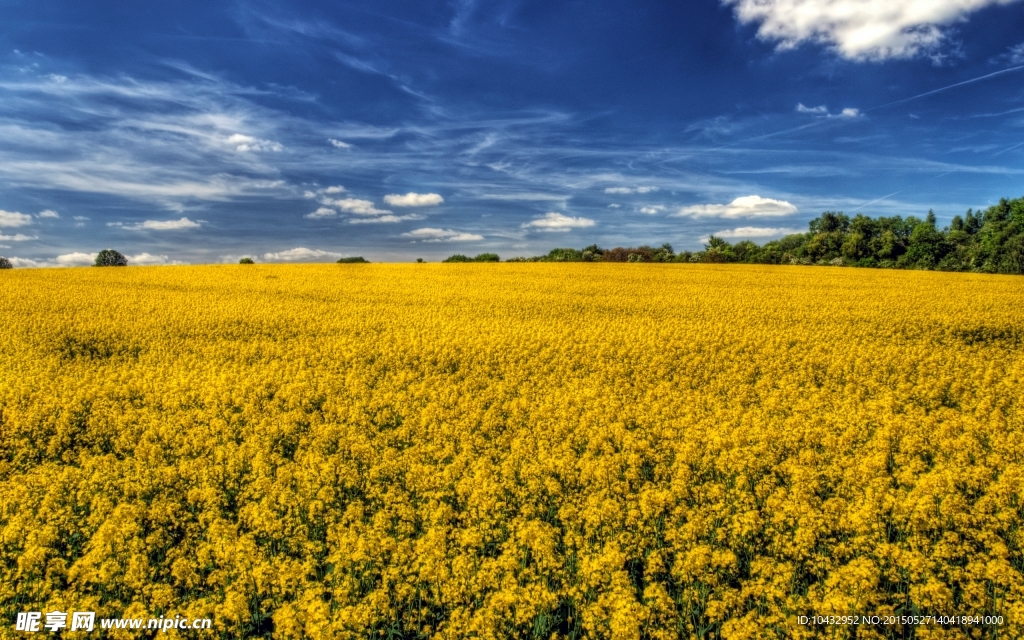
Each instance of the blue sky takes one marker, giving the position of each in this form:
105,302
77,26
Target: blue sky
302,131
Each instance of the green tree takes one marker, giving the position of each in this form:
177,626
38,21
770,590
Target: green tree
353,260
487,257
5,263
110,258
246,261
458,257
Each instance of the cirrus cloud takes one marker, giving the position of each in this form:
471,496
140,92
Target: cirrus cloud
414,200
159,225
745,207
755,232
628,190
428,234
858,29
553,221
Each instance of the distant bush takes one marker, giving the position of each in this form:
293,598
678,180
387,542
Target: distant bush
110,258
487,257
458,257
353,260
5,264
246,261
419,260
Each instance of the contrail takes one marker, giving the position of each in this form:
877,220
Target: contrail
958,84
868,204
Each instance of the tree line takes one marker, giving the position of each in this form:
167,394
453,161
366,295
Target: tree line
989,241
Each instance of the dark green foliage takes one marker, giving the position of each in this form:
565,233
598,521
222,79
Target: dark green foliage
458,257
989,241
353,260
5,263
110,258
419,260
487,257
246,261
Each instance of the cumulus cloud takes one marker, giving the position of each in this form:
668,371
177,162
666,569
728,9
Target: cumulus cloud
301,254
335,189
745,207
14,219
653,209
755,232
428,234
628,190
148,259
858,29
248,143
159,225
355,206
414,200
322,212
553,221
339,144
77,259
48,213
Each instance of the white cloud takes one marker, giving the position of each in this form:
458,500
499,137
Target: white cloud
1016,54
553,221
148,259
355,206
615,206
802,109
524,197
858,29
335,189
18,237
23,263
414,200
301,254
248,143
14,219
755,232
49,213
385,219
81,218
322,212
627,190
339,144
745,207
822,110
428,234
78,259
159,225
653,209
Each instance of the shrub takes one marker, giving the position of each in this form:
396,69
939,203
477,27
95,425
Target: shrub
246,261
487,257
110,258
353,260
5,263
458,257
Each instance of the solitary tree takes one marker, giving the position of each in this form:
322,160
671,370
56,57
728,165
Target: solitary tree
5,263
110,258
246,260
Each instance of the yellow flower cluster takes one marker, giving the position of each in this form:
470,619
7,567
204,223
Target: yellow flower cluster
519,450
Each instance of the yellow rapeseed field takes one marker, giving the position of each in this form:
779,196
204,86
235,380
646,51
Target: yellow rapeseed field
514,450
